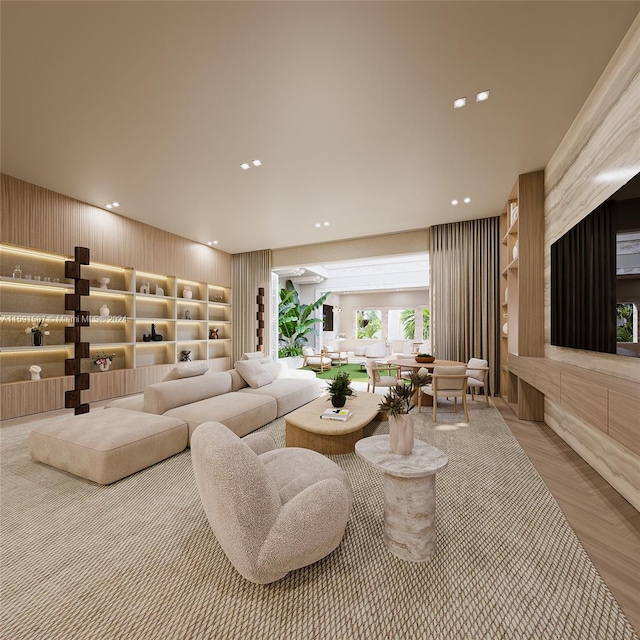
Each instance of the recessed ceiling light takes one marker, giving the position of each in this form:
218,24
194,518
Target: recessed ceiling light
454,202
209,243
215,242
326,224
318,224
481,96
108,206
459,102
245,166
115,204
256,163
467,200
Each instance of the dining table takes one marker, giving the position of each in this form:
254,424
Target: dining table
410,363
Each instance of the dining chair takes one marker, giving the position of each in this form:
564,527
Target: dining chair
447,382
315,360
374,379
478,372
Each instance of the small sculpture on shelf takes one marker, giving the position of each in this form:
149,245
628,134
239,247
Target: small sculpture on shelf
145,288
104,310
213,334
155,337
187,293
159,291
187,314
35,370
104,282
186,356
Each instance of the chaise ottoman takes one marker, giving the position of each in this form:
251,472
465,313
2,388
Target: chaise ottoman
107,445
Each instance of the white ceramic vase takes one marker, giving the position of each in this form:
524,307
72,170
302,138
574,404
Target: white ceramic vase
104,367
104,310
401,434
187,293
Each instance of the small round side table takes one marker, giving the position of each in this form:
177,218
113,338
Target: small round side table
409,495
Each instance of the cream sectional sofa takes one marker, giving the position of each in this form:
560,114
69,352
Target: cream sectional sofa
227,397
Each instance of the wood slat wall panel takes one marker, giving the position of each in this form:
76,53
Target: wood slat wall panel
48,221
35,396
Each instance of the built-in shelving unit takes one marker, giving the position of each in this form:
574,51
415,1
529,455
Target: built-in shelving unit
522,287
136,300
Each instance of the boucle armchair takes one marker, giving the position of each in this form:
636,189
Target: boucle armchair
272,510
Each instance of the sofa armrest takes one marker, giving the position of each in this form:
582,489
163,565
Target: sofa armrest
259,442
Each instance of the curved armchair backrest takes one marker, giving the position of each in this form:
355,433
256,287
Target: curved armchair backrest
240,499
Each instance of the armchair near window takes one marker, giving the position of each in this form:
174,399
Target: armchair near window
374,379
337,357
315,360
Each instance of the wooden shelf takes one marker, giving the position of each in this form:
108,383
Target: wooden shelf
120,331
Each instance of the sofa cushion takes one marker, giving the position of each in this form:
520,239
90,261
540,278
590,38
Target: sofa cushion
289,393
254,373
106,445
163,396
242,413
187,370
256,355
133,403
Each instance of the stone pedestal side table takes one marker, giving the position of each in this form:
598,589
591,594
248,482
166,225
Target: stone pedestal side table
409,495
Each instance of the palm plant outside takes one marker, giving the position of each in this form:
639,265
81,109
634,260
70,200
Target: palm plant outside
624,312
408,322
295,320
369,324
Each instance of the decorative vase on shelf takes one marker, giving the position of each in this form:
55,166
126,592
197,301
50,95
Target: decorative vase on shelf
17,272
104,310
35,370
505,328
401,434
104,282
104,367
36,339
506,294
187,293
515,250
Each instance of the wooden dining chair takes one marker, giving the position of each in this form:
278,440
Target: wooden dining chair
374,379
447,382
478,372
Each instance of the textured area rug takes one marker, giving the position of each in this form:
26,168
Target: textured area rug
137,559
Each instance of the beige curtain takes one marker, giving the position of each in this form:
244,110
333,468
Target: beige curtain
249,272
464,263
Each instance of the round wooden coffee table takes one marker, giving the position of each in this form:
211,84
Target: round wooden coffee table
305,428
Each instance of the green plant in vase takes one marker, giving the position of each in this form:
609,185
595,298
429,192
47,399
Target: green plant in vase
339,388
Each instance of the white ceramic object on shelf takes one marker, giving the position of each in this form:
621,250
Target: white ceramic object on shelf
159,291
506,294
104,282
515,250
505,328
187,293
35,370
104,310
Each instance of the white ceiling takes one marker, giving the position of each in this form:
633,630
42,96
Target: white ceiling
348,105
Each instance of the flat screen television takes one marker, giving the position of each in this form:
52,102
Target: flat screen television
595,278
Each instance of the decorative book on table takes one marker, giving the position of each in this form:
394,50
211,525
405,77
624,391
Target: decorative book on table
336,414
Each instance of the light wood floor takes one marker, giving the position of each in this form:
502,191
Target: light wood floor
606,524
